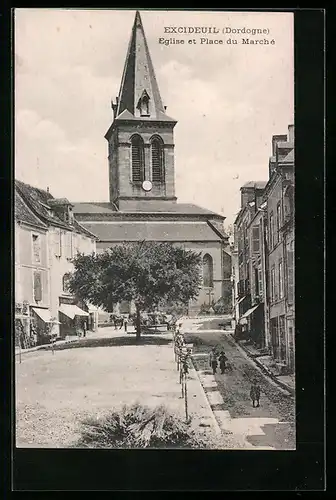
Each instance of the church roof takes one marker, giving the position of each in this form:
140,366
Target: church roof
139,78
152,231
153,207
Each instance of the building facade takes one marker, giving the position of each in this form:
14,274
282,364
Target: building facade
263,275
249,300
279,198
47,237
143,204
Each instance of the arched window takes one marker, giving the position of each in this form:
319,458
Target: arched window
65,283
207,271
138,164
157,154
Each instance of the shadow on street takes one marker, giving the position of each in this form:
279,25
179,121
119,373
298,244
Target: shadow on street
129,340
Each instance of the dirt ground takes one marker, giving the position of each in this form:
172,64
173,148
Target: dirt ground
54,392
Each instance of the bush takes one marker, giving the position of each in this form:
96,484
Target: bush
138,426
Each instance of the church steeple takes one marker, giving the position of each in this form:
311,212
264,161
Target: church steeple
141,137
139,94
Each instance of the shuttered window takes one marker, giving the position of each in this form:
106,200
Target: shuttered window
281,280
273,285
36,248
260,282
67,238
58,242
290,275
157,161
278,221
255,239
37,287
138,165
271,231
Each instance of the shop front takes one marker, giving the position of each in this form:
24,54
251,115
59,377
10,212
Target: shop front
43,327
252,323
73,319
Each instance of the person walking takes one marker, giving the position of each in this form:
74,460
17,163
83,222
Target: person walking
255,394
125,324
222,362
84,328
213,360
115,321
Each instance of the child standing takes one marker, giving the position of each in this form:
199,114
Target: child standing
255,394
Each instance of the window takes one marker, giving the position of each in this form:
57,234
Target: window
75,243
281,280
207,271
273,284
278,221
255,239
157,154
58,242
282,335
36,248
68,245
137,153
65,282
260,282
256,282
271,231
143,104
290,273
37,284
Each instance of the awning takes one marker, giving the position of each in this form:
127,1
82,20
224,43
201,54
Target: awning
249,311
44,314
241,300
71,311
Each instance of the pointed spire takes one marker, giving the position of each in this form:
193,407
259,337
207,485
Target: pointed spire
139,93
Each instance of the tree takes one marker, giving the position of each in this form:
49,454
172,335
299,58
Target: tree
149,274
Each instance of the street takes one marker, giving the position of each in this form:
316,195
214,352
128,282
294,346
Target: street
272,425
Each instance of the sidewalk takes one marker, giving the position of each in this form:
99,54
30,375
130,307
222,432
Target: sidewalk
266,363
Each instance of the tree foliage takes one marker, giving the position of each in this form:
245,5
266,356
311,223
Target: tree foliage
148,273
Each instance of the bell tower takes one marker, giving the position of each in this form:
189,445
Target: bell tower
141,136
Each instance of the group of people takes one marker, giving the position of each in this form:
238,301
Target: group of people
216,359
220,359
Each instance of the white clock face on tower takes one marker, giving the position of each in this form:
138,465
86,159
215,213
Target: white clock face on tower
146,185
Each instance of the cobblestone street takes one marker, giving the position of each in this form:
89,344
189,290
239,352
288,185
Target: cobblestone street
272,425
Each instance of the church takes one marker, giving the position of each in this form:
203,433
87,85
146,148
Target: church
143,204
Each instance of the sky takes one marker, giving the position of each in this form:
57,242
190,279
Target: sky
228,99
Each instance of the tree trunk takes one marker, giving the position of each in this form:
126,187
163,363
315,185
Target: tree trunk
138,322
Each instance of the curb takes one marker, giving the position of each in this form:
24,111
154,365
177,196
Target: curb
216,424
267,372
45,347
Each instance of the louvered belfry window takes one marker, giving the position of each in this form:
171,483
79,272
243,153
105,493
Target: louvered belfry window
157,161
138,166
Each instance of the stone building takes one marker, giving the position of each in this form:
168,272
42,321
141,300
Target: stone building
250,269
264,257
143,204
279,198
47,236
